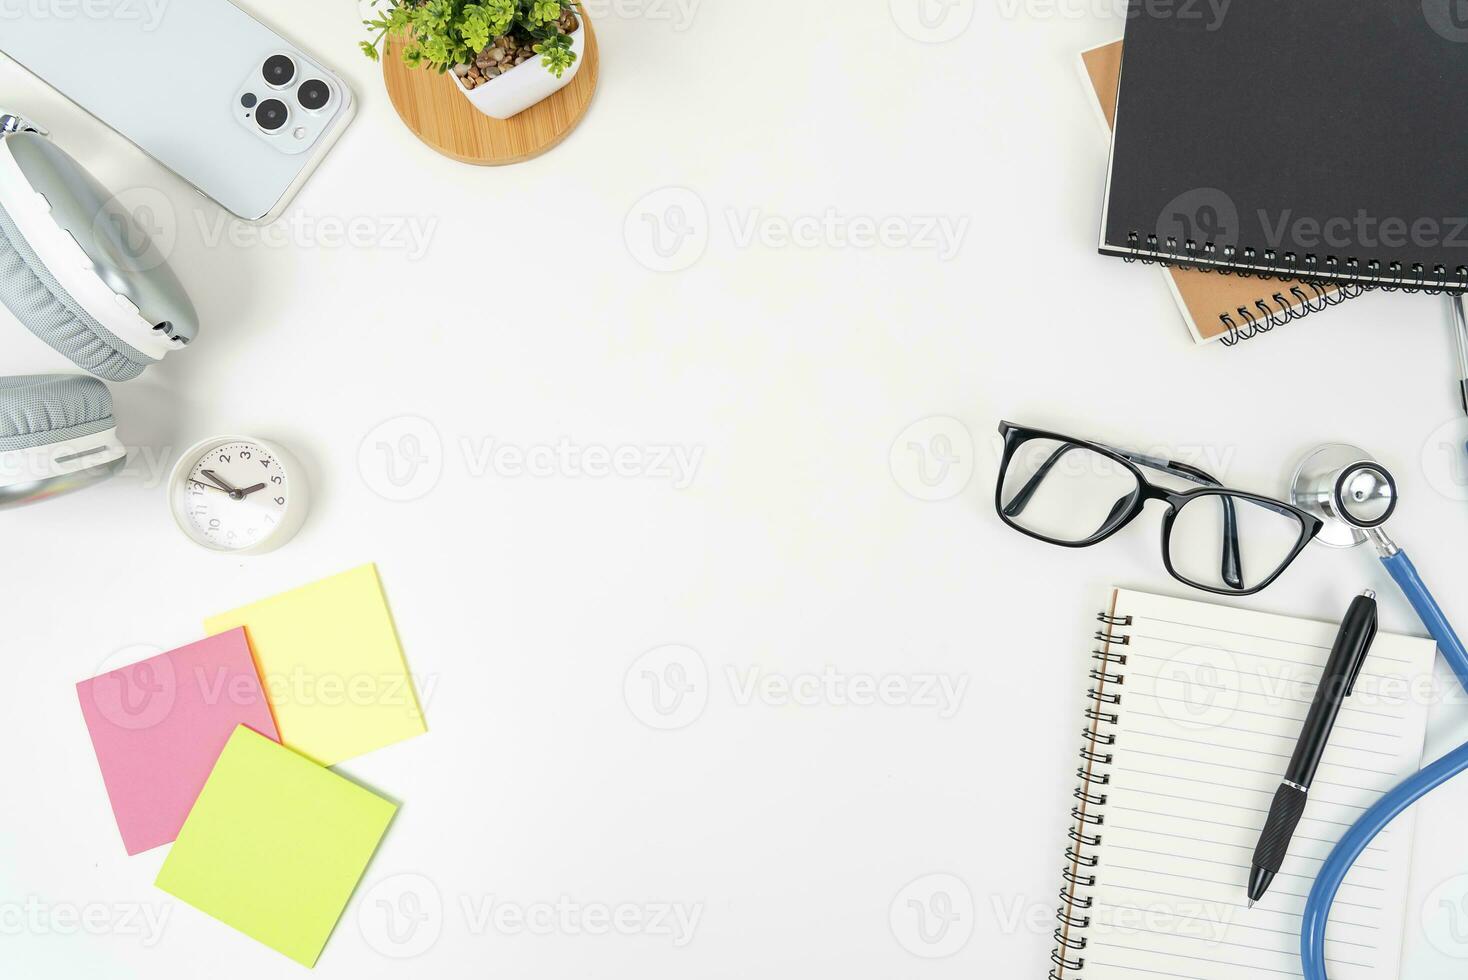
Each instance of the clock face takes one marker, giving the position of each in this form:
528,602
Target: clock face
235,496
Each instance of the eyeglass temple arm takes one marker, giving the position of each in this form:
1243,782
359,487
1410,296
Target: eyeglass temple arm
1022,499
1232,569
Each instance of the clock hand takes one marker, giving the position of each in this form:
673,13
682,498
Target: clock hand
249,490
208,486
213,478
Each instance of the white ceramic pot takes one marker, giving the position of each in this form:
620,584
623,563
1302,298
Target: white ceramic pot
524,85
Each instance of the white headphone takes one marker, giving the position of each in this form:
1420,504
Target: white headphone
80,273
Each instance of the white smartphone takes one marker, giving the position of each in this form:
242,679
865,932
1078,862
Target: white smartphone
199,85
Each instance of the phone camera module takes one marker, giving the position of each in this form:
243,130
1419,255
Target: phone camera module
271,115
314,94
279,70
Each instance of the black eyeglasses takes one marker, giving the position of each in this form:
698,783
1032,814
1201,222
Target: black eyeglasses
1075,494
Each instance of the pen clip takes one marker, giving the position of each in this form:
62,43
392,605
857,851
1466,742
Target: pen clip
1368,636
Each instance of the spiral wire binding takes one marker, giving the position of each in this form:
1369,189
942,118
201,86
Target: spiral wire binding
1414,278
1280,309
1312,270
1090,796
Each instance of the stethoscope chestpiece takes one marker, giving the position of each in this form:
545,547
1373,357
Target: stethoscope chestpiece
1313,490
1364,495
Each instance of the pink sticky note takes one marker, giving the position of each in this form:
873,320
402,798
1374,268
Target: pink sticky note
159,725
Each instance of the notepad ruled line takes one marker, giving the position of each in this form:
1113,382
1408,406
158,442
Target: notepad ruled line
1194,761
1276,755
1278,739
1335,920
1268,639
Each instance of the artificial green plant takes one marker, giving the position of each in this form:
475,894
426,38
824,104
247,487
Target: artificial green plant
441,34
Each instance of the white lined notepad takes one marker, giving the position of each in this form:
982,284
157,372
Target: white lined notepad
1192,714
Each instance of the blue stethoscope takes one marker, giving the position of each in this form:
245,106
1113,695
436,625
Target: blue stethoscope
1354,495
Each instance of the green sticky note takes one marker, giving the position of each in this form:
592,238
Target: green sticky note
274,845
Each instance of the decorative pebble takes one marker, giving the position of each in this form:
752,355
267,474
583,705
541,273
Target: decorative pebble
503,54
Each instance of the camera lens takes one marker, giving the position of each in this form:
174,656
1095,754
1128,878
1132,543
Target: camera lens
271,115
279,70
314,94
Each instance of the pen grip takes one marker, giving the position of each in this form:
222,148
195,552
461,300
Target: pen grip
1284,816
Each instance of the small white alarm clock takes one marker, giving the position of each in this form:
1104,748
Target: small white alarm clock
238,494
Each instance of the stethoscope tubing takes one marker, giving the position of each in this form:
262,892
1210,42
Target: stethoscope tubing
1353,845
1333,872
1404,573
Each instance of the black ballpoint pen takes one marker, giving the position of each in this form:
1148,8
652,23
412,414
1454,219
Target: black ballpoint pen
1460,333
1347,655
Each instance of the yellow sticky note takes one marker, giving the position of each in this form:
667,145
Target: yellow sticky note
333,671
274,845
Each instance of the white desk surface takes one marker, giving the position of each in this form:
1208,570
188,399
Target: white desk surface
791,371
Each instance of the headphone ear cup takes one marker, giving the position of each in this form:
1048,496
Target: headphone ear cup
40,303
57,432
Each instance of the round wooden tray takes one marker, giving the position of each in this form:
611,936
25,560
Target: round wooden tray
435,110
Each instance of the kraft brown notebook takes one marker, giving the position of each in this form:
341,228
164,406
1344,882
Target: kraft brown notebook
1229,308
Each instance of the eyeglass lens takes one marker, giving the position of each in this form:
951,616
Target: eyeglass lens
1072,494
1267,538
1064,491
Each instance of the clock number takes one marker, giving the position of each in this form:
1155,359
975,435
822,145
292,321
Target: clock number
276,479
280,501
223,458
244,454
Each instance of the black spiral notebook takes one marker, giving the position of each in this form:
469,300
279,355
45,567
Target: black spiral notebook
1295,138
